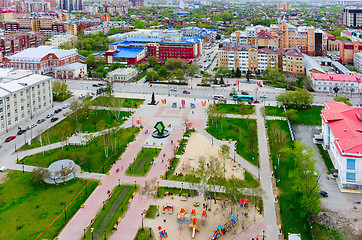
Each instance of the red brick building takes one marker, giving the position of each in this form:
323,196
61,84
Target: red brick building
11,44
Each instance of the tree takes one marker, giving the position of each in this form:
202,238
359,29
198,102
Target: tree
248,75
152,76
192,69
60,90
295,99
179,75
338,98
109,89
291,115
139,25
116,107
226,17
64,132
278,140
40,174
152,61
162,71
238,72
76,110
252,136
225,151
305,176
222,71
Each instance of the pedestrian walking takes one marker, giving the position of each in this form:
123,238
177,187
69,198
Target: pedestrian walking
171,141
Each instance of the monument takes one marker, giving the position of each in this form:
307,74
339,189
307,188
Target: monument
153,101
160,131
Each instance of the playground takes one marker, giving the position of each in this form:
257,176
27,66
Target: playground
198,146
195,220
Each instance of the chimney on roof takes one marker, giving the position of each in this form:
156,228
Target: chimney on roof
345,130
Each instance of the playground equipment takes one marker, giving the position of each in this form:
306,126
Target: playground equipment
244,202
194,227
196,204
183,102
220,230
192,105
174,105
163,234
163,101
185,196
167,207
193,212
203,216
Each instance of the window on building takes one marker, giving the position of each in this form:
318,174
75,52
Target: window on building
351,164
351,177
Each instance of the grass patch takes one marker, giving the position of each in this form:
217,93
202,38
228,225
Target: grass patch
236,129
91,125
326,158
274,111
151,212
104,101
181,146
142,165
309,116
321,232
90,157
145,234
235,108
140,76
277,84
109,215
26,208
293,216
55,99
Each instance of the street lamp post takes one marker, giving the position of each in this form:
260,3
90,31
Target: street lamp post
84,232
119,182
142,220
105,235
135,183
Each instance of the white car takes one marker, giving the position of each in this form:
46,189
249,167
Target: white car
2,169
66,106
50,115
173,89
31,126
263,96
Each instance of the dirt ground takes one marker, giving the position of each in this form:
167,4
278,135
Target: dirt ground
218,215
3,176
198,146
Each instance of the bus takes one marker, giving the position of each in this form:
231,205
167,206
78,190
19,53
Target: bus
243,98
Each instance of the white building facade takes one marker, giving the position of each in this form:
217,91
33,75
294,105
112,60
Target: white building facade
23,95
122,75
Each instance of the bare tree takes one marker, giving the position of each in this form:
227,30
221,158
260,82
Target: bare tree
116,105
40,174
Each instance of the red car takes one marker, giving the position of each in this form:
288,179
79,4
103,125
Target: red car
10,138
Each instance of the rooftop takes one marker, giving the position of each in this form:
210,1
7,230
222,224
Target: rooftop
345,123
71,66
336,77
36,54
128,52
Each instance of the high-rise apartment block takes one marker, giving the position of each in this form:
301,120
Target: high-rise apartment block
352,17
71,5
14,43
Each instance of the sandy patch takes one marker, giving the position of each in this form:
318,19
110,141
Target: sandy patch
198,146
218,215
3,176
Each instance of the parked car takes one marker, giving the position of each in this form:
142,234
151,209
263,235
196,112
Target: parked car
198,76
244,93
3,169
50,115
100,84
66,105
173,89
58,110
31,126
8,139
95,85
263,96
21,131
323,193
54,119
40,121
185,92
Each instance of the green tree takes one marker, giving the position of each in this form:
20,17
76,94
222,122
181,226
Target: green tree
152,61
238,72
109,88
192,69
305,176
295,99
162,71
291,115
39,174
139,25
226,17
179,75
60,90
279,140
338,98
152,75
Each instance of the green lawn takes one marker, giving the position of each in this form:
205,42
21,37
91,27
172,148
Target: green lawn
142,165
236,129
290,206
274,111
326,158
114,208
26,208
181,146
306,116
151,212
103,101
140,76
234,108
90,158
145,234
91,125
321,232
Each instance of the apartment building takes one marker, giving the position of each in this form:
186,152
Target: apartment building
23,95
256,60
41,60
347,50
352,17
58,40
283,35
14,43
357,61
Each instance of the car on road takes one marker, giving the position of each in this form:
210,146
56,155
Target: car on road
95,85
100,84
244,93
21,131
3,169
198,76
31,126
185,92
40,121
54,119
263,96
66,105
173,89
50,115
58,110
8,139
323,193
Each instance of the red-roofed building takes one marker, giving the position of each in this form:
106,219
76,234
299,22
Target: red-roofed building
342,136
344,82
265,39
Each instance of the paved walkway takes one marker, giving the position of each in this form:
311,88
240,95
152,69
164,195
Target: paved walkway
256,230
265,178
